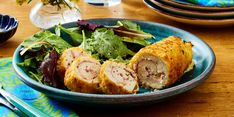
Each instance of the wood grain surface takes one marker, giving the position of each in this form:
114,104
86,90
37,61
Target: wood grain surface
214,98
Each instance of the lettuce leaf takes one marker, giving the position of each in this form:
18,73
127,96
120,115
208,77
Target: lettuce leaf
51,39
42,51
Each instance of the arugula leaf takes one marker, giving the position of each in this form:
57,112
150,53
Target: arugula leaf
37,76
30,65
86,45
131,32
27,62
106,44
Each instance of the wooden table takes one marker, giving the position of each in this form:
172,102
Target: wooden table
215,97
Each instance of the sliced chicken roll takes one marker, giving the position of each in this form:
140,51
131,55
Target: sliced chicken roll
116,78
162,63
66,59
82,75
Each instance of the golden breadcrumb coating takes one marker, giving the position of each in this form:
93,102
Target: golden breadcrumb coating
164,62
66,59
82,75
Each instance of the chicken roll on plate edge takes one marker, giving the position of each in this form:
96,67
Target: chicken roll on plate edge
161,64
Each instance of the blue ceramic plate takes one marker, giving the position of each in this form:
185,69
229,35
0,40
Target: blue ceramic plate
204,59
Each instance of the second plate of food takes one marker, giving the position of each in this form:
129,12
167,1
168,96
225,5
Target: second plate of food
142,71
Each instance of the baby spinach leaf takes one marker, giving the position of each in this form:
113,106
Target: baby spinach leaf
76,37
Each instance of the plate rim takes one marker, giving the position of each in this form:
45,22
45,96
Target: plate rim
203,76
189,20
207,14
197,7
184,17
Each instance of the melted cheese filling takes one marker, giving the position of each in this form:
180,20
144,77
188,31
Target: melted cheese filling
151,71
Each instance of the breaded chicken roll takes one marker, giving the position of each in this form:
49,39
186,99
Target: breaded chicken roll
66,59
116,78
82,75
161,64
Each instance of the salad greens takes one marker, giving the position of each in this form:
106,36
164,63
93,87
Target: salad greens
129,25
76,37
46,38
117,43
129,29
105,44
37,49
48,69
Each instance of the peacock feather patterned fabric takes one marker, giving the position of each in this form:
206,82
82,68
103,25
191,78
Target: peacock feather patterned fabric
212,3
12,84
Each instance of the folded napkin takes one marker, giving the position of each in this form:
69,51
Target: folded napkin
212,2
40,101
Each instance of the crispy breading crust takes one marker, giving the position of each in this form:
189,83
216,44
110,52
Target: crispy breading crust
61,63
74,83
174,52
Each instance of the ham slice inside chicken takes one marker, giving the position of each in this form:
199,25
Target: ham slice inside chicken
71,56
121,76
67,58
88,70
82,75
151,71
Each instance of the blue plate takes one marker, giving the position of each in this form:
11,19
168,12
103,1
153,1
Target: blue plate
204,59
8,27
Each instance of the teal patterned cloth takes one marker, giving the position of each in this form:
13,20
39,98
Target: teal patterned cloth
13,85
211,2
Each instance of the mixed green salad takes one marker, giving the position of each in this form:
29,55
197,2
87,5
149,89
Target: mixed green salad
118,43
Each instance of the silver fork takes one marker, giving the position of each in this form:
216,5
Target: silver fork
11,107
